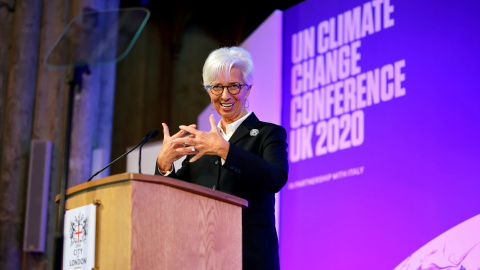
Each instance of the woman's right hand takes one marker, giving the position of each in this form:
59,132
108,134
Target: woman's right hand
168,153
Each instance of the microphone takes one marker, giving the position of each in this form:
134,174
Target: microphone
151,134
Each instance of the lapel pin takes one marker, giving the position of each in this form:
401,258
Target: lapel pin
253,132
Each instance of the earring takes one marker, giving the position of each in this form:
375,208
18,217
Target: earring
246,103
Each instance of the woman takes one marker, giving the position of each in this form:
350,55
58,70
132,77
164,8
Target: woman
241,155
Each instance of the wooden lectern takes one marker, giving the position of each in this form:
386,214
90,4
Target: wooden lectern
156,222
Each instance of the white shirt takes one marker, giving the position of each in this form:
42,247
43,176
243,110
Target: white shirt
230,129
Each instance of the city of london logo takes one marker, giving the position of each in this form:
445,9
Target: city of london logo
78,229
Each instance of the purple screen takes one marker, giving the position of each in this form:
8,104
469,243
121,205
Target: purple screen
381,105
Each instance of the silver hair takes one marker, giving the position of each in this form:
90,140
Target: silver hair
220,61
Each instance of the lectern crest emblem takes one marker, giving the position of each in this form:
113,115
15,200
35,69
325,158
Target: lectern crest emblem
78,229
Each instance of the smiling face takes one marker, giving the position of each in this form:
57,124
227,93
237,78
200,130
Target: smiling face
230,107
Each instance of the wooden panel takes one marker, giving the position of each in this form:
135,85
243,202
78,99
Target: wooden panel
113,223
183,230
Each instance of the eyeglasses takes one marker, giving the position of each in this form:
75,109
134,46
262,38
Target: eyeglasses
231,88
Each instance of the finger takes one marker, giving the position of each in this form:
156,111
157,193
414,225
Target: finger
166,131
189,129
212,122
186,151
182,133
189,140
191,126
187,134
184,140
179,134
196,157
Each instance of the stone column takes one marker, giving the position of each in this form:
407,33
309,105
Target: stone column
33,105
17,127
49,118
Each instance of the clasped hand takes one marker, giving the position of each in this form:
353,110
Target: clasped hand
197,142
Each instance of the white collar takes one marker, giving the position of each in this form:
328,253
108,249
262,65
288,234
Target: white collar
230,128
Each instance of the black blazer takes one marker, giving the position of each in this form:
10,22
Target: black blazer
255,169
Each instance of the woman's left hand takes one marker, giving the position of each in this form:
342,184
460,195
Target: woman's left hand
203,143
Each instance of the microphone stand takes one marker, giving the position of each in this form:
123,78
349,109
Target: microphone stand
140,158
74,83
117,159
148,136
